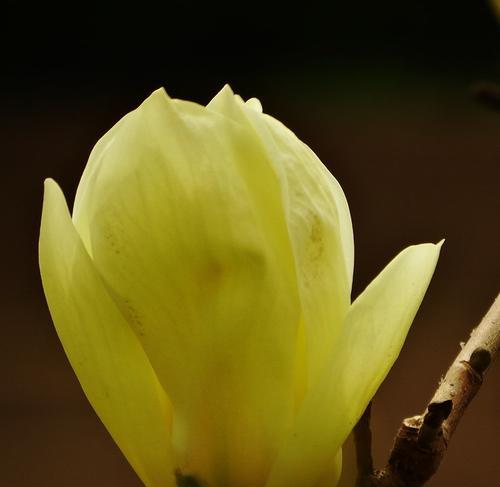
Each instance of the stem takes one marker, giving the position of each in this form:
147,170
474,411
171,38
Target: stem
363,442
422,440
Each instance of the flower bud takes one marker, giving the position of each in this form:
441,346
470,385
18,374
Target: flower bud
201,290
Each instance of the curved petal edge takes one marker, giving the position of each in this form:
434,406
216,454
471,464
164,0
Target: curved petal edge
371,339
106,356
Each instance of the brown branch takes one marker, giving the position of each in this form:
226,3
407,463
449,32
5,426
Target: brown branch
422,440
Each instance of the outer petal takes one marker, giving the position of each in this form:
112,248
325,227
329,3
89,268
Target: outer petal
111,366
186,225
320,229
333,472
318,223
372,337
87,182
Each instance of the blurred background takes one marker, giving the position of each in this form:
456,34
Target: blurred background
382,91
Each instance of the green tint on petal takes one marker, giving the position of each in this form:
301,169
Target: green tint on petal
108,360
372,336
186,226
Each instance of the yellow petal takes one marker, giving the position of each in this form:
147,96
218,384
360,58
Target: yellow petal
318,222
333,472
109,362
254,104
89,175
187,228
372,337
320,229
378,322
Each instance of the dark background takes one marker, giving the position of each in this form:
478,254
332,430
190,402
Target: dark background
380,90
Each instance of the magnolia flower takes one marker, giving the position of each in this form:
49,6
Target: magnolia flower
201,290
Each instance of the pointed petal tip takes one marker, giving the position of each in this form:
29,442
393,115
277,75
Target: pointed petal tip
157,98
428,245
161,92
225,102
227,88
225,92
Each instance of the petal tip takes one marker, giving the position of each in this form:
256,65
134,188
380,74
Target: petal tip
227,88
48,182
254,104
51,189
225,91
440,243
158,97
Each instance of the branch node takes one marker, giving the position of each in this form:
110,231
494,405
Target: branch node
421,441
431,427
480,360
